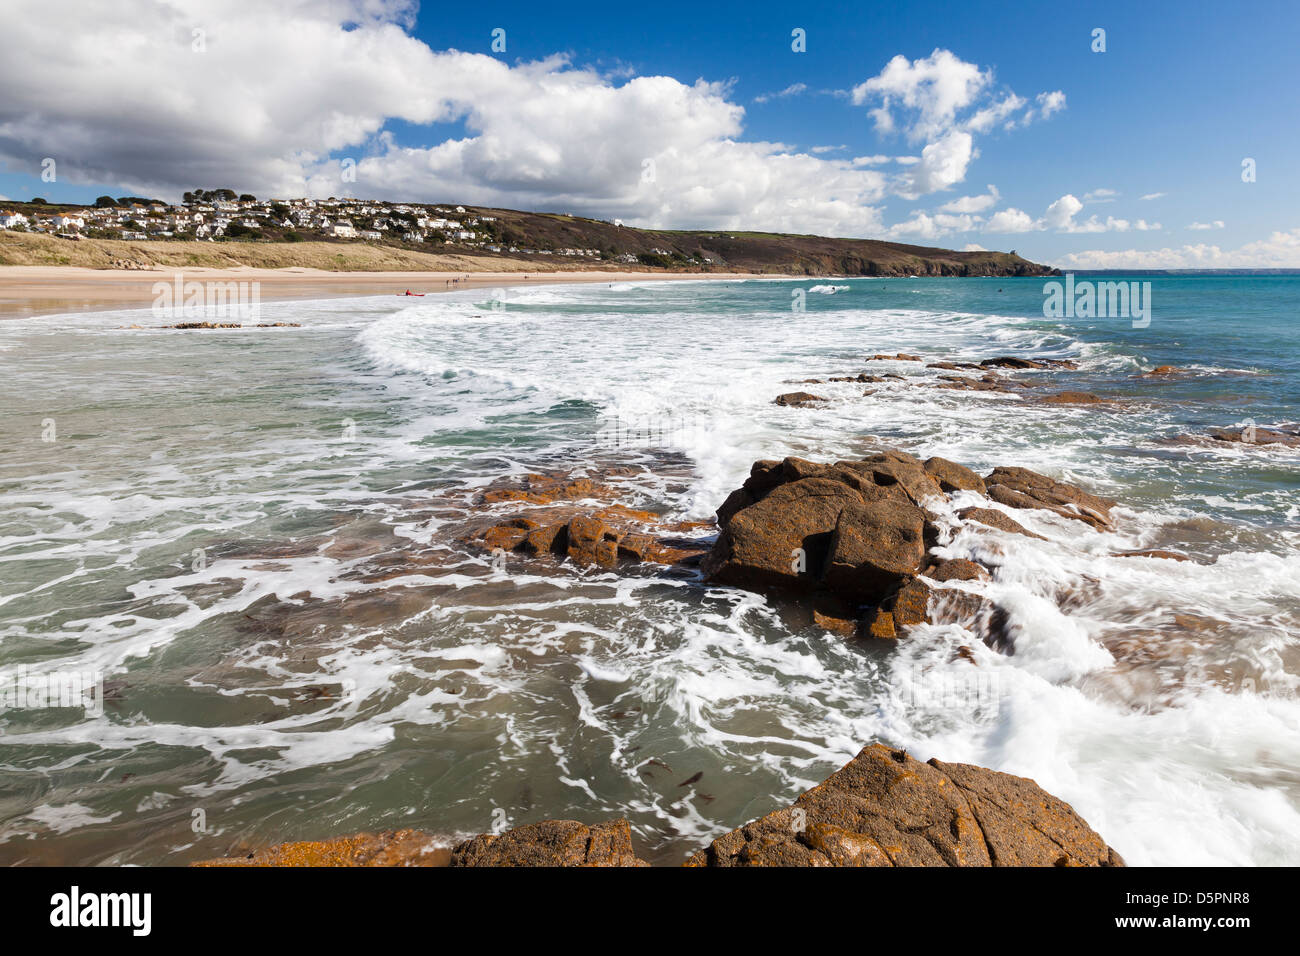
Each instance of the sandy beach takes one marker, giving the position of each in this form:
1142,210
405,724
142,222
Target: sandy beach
51,290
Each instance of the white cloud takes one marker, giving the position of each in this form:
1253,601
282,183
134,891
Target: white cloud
925,226
1281,250
827,149
973,247
990,116
1150,196
794,89
1100,195
1217,224
974,203
282,90
1060,216
943,164
871,160
935,89
941,100
1048,103
1011,220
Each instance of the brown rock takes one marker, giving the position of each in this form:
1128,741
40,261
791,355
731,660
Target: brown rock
898,468
798,399
1022,488
1258,436
1074,398
911,605
900,357
874,546
878,624
760,546
509,534
886,809
1151,553
959,569
390,848
952,476
997,519
551,538
834,614
552,843
591,541
1023,825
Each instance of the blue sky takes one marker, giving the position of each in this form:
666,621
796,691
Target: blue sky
1183,93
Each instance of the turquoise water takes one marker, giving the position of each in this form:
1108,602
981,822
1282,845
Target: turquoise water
250,535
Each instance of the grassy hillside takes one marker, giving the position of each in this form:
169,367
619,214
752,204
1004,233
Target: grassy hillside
649,249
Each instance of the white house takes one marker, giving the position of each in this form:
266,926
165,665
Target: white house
343,229
67,220
10,219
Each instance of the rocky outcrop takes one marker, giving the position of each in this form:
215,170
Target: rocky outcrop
852,537
882,809
899,357
798,399
1022,488
1287,436
1016,362
552,843
1075,398
390,848
887,809
577,518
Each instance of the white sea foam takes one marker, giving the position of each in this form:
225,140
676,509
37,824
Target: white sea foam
571,684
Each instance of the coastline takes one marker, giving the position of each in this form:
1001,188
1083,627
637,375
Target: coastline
52,290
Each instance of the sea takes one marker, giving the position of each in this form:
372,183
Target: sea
241,542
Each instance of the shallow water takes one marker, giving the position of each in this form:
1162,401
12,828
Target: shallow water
248,533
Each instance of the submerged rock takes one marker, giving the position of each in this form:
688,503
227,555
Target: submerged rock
1254,435
887,809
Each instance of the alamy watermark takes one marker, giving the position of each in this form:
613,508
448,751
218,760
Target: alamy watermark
24,688
182,299
1086,299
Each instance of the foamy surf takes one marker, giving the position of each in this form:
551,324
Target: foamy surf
328,636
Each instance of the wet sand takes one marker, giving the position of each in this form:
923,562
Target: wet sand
51,290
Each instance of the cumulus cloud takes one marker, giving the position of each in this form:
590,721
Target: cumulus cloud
1060,217
1281,250
974,203
925,226
280,92
933,89
1011,220
943,163
942,101
1216,224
